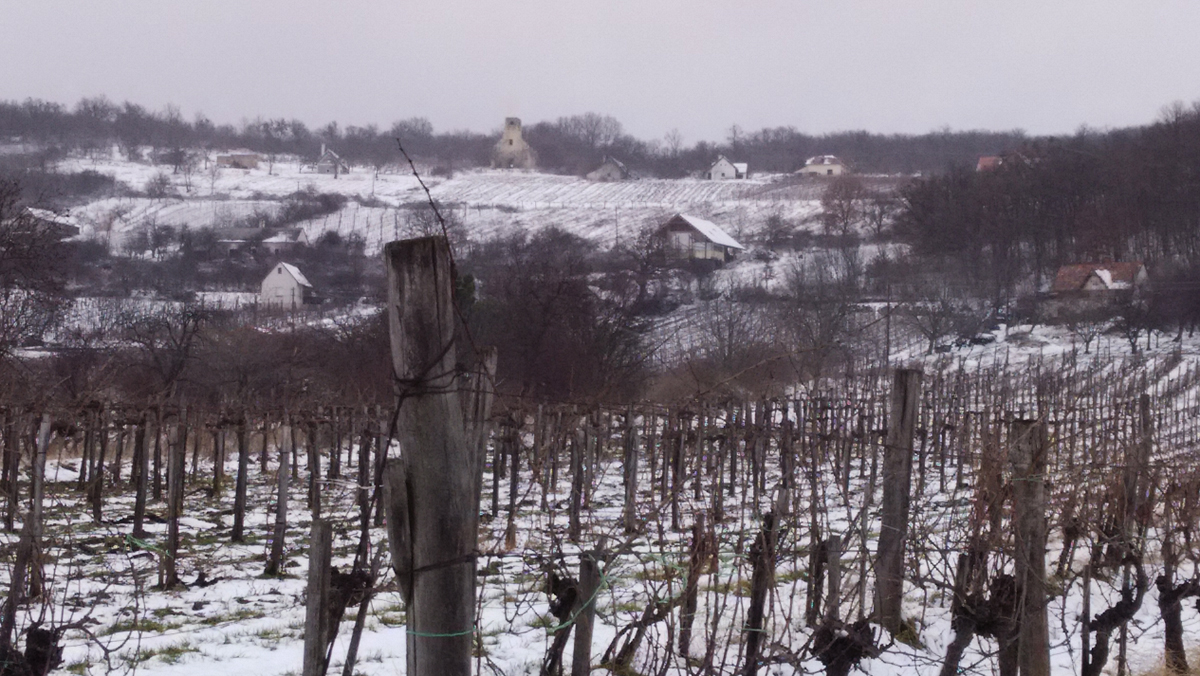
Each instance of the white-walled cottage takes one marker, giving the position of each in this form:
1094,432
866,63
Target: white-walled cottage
691,237
285,286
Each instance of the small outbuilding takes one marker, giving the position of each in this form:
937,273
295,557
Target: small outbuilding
687,236
239,159
723,169
331,163
611,169
824,165
286,287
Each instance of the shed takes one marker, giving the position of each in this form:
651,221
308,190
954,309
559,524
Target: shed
691,237
285,240
331,163
1093,289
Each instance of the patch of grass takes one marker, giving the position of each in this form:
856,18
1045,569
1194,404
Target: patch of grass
170,654
235,616
80,667
144,625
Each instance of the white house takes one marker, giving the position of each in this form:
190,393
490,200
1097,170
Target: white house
723,169
285,286
330,162
691,237
611,169
285,240
824,165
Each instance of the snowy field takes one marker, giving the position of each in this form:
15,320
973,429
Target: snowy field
489,202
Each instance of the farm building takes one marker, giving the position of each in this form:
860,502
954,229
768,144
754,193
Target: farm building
285,240
723,169
611,169
691,237
239,160
824,165
1085,288
331,163
285,286
60,226
511,151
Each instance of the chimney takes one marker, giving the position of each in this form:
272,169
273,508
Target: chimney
322,151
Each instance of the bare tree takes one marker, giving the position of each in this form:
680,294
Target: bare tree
31,271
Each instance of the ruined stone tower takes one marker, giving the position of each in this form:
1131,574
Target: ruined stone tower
512,152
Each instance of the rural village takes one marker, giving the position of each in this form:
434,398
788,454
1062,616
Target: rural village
552,399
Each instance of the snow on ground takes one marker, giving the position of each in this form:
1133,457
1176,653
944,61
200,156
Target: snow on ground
489,202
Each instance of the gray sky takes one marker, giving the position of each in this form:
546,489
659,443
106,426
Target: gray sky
697,65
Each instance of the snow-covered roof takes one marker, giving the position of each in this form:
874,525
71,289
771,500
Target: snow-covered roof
742,167
822,159
51,217
1115,275
711,231
296,274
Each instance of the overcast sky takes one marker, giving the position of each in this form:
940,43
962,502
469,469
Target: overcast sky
699,66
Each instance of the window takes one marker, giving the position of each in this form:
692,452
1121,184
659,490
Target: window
829,172
510,142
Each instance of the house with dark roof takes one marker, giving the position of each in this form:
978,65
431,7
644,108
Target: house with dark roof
1089,288
685,236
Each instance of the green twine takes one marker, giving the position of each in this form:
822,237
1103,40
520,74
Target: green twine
142,544
425,634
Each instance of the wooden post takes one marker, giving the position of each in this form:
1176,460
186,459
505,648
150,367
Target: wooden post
585,615
239,491
275,562
629,515
176,465
762,557
833,572
316,612
96,492
897,478
29,544
314,472
432,523
140,467
1028,457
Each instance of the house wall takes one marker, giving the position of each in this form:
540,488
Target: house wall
606,172
280,289
722,170
824,169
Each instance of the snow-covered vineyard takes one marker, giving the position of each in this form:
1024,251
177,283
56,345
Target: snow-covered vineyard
725,532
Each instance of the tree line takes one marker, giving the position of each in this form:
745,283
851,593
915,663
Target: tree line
571,144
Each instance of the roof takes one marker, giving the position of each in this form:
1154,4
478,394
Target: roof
741,167
720,159
1121,275
296,274
822,159
710,230
987,162
292,235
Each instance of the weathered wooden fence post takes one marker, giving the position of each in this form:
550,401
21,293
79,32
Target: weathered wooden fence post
897,479
176,466
139,470
1027,454
316,612
275,562
239,491
585,614
431,517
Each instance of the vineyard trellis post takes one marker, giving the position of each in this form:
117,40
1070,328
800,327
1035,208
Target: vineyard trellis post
317,616
1028,457
431,516
897,479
